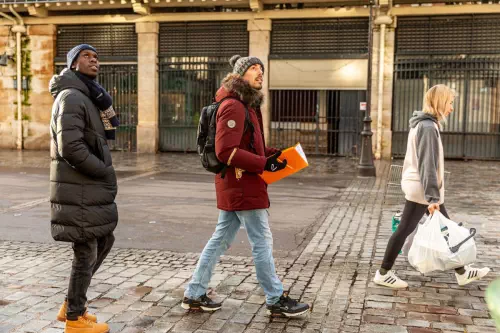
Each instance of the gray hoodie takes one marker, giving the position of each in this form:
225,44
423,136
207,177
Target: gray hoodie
424,161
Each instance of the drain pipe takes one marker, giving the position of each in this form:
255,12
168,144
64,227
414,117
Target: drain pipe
19,29
382,21
8,17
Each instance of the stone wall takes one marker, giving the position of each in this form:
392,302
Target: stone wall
38,68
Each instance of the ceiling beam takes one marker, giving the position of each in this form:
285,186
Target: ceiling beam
430,10
182,17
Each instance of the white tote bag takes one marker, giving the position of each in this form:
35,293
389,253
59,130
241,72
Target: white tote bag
431,252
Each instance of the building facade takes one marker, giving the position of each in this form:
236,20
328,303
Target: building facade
162,61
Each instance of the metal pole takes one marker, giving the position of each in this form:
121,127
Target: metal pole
365,166
19,29
19,92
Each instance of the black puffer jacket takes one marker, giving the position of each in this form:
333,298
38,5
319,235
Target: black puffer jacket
82,179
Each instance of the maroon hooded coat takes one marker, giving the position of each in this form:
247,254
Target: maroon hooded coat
241,188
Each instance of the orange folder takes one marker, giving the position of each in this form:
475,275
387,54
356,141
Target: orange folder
296,161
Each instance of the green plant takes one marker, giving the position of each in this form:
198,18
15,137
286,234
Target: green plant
25,68
24,116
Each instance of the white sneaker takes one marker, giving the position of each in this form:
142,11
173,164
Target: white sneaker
389,280
471,274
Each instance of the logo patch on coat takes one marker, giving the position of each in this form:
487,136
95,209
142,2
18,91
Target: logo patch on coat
231,124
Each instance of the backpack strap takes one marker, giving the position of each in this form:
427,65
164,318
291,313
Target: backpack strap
248,122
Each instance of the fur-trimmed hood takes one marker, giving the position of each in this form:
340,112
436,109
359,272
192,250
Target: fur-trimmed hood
235,85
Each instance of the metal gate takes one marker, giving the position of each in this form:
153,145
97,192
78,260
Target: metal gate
463,62
186,85
194,58
117,48
323,121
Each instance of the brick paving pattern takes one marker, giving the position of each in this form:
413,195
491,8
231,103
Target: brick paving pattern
141,290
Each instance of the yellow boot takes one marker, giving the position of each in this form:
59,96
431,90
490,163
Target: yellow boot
61,315
83,325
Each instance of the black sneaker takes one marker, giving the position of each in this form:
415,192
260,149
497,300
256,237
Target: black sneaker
287,307
203,303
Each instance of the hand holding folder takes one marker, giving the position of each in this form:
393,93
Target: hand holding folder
274,164
296,161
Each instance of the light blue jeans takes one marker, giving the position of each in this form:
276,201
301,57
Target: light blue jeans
261,240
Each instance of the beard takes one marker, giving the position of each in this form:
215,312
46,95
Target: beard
257,86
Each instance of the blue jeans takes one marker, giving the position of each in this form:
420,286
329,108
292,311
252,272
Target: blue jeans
261,240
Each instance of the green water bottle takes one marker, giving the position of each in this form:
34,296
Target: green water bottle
396,219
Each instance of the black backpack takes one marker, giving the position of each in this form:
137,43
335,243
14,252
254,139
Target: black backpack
206,137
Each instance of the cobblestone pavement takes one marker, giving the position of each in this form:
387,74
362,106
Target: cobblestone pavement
140,290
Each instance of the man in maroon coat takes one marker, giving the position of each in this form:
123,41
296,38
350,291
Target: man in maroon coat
242,195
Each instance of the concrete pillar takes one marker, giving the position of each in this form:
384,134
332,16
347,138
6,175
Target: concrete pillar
147,80
42,51
387,89
260,39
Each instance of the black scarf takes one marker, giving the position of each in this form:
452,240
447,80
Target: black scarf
104,103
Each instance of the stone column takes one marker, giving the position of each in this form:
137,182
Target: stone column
389,41
260,38
147,80
42,51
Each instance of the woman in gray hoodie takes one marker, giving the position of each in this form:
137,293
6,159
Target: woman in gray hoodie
423,183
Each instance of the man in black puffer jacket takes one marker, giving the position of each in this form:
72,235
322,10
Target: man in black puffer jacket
82,178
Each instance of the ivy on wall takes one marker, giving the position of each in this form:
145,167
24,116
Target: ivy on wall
25,72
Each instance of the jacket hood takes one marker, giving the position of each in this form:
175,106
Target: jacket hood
66,80
234,85
418,116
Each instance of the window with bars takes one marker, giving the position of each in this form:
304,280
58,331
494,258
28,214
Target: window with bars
319,38
464,34
112,41
211,39
294,105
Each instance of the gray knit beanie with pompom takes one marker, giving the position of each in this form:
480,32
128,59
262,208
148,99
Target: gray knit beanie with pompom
242,64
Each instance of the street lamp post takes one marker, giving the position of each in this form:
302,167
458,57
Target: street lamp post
365,166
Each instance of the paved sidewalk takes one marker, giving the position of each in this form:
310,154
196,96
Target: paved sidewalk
140,290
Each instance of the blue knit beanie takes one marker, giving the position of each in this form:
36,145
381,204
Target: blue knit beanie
74,52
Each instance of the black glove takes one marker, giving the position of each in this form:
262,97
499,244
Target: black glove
273,164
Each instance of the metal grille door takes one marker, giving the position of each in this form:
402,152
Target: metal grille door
115,41
120,81
319,38
186,85
472,131
194,58
324,121
117,48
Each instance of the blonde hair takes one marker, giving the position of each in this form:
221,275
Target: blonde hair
435,100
